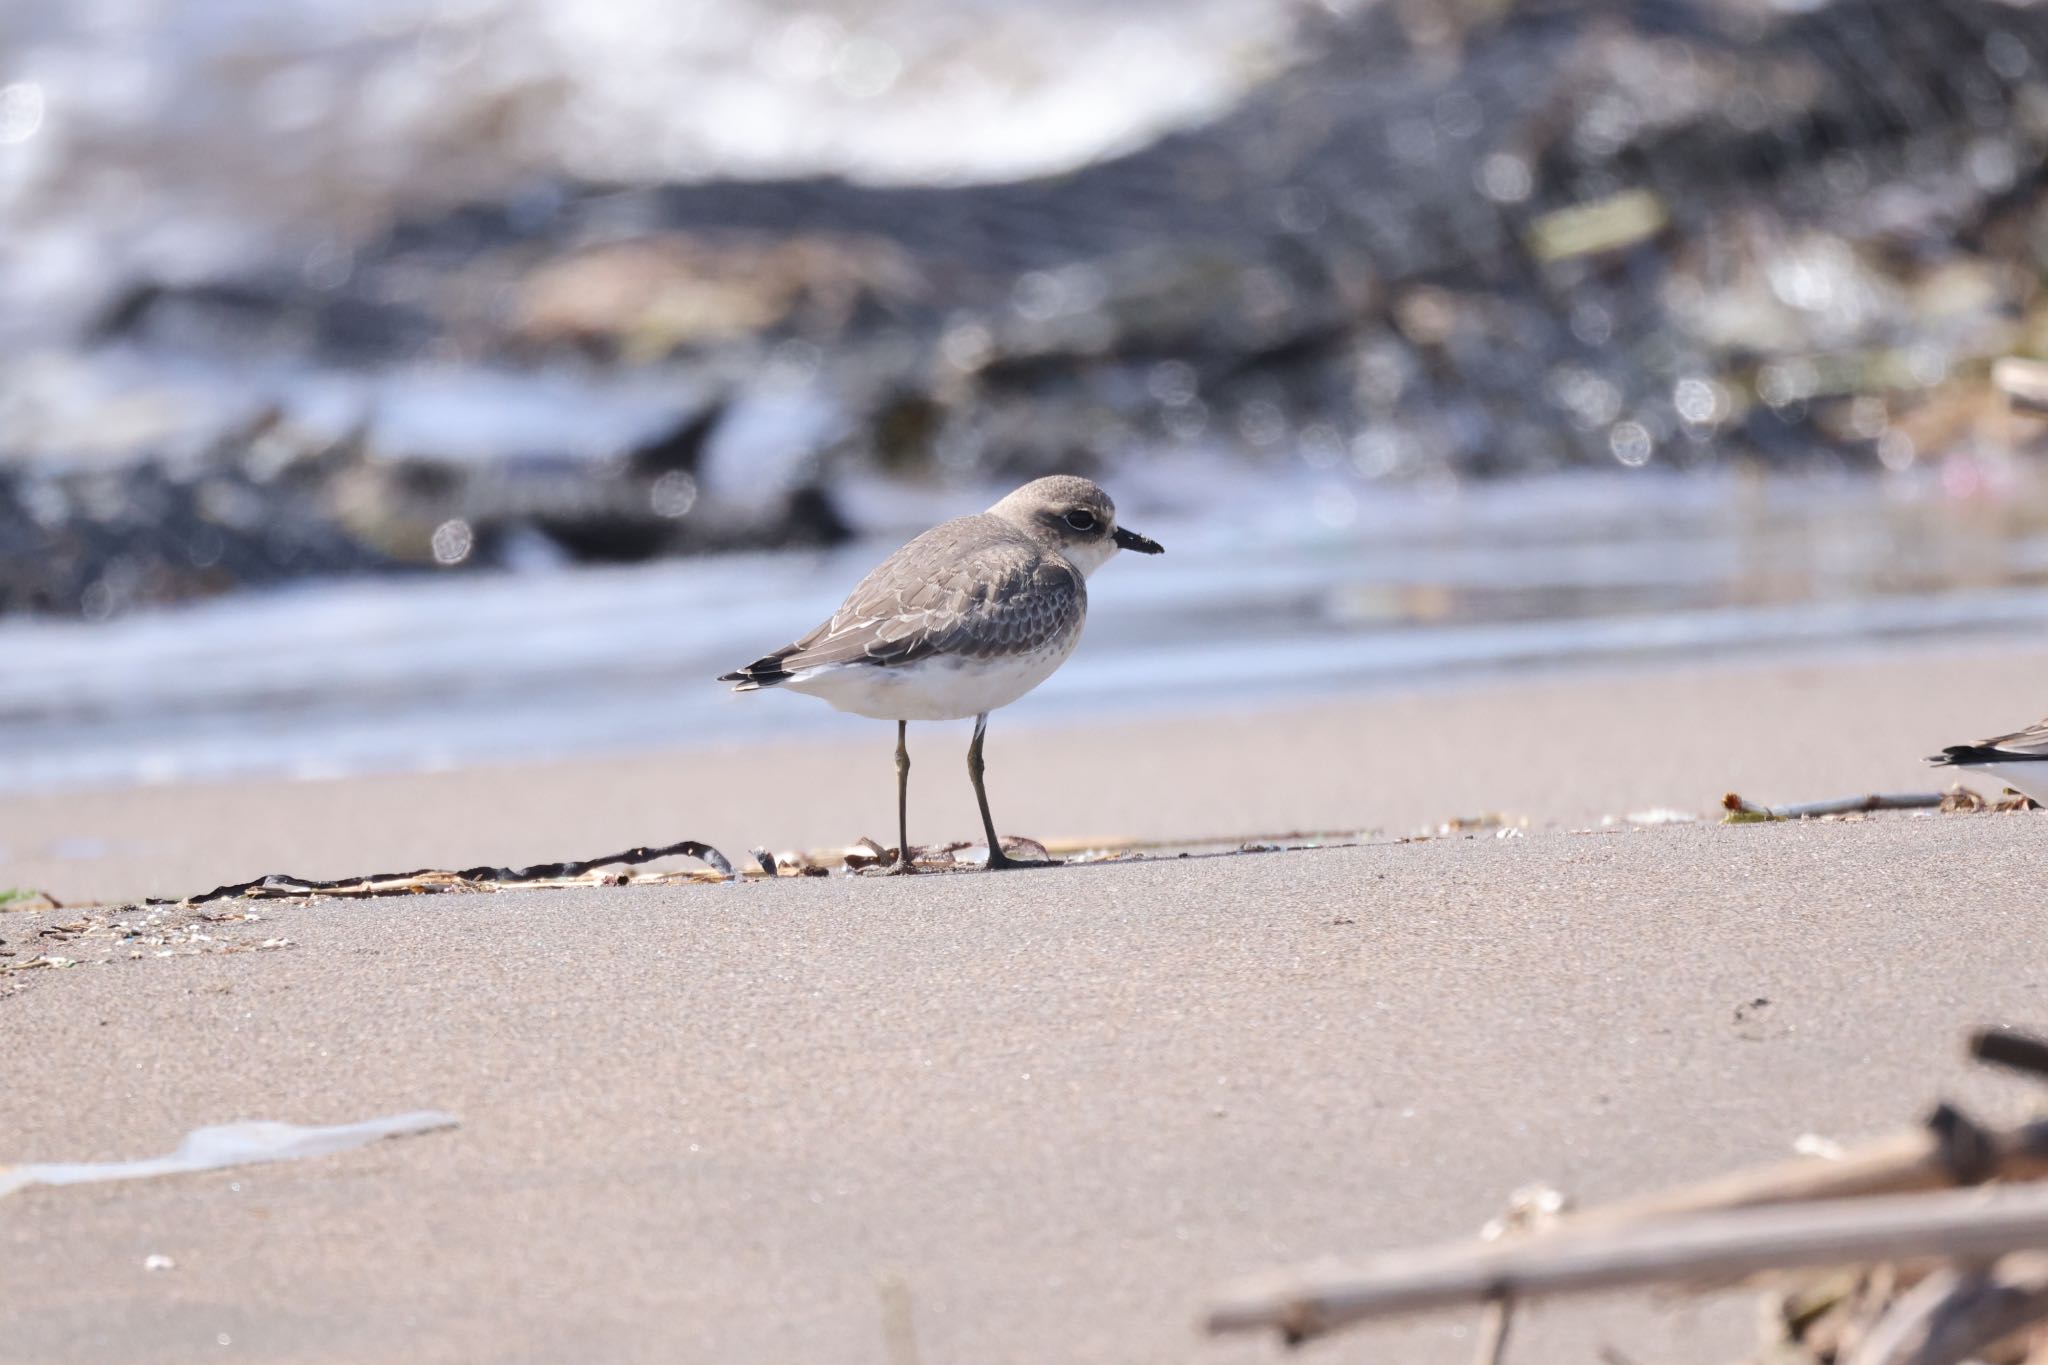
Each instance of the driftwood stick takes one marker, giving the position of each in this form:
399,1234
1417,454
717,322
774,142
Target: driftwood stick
1840,805
1920,1160
1305,1302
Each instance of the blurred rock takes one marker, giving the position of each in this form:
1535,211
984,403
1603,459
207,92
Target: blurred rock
1452,240
96,541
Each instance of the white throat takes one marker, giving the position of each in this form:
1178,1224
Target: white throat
1090,555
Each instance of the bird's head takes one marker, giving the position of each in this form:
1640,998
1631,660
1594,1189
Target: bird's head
1076,517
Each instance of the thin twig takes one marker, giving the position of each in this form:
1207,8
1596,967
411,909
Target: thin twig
1494,1322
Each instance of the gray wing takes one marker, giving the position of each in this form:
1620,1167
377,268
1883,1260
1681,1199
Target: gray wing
2021,745
966,589
2031,742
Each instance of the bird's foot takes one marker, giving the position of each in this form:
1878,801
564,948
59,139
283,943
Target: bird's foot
1001,857
1000,862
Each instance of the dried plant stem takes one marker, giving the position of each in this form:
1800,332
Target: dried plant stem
1494,1323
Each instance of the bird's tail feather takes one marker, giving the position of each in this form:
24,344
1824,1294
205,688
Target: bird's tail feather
1966,754
765,671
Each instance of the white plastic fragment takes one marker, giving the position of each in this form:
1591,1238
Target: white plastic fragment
1656,815
1813,1144
229,1144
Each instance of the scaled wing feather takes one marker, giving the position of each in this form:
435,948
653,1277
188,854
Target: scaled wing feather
2031,742
1009,597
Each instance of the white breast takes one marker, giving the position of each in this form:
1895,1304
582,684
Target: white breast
936,688
2031,778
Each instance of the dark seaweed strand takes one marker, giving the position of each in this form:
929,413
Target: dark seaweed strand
285,883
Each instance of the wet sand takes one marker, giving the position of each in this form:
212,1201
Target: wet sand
1035,1116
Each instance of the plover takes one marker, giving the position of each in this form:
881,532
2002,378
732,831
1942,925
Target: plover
2019,760
966,618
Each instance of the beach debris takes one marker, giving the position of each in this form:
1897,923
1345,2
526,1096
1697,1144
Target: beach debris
795,863
1818,1145
1742,811
229,1144
1730,1244
427,880
1961,800
1470,825
865,853
27,898
1957,800
158,1261
103,935
789,863
1656,815
1913,1260
1020,847
42,961
1531,1208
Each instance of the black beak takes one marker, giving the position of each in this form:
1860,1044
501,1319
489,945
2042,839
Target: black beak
1144,545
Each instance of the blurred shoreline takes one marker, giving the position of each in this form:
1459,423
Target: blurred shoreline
1297,590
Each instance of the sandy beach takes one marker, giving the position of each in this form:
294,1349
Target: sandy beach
1024,1118
1555,424
1561,752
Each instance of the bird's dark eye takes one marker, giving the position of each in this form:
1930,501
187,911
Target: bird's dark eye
1081,521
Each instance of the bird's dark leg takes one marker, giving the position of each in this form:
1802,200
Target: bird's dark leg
982,795
903,862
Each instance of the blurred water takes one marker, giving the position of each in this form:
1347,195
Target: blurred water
174,141
1271,589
